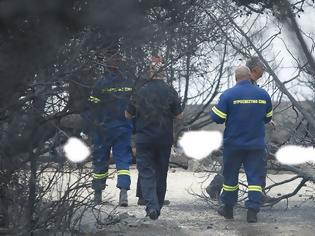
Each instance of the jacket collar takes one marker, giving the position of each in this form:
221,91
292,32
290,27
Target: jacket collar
244,82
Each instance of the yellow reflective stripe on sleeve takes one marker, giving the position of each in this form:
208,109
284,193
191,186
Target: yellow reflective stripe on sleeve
229,188
256,188
123,89
123,172
94,99
218,112
100,176
269,114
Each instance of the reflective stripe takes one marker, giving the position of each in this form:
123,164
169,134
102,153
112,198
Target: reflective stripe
229,188
109,90
256,188
100,175
218,112
269,114
94,99
123,172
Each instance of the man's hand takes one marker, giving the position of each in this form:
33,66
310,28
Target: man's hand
128,115
180,116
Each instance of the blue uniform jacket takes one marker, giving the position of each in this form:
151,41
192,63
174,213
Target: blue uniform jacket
245,109
108,101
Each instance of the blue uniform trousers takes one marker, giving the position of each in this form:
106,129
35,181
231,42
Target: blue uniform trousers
264,173
254,165
117,140
152,164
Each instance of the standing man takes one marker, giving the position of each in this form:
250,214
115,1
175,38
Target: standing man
111,130
257,69
154,105
245,109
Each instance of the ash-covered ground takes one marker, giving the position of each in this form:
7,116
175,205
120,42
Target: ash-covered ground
188,214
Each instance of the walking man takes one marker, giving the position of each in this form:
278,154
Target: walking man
245,109
111,131
154,106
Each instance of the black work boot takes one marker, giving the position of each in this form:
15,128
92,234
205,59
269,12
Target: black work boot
215,187
153,214
226,211
123,198
252,215
97,197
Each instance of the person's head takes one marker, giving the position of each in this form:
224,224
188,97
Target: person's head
114,59
256,67
156,65
242,73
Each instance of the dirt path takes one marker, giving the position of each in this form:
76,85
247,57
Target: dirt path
188,215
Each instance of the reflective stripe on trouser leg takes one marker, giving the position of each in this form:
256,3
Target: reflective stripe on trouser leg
229,194
122,156
254,196
254,165
100,159
229,188
123,179
232,160
98,176
99,181
254,188
123,172
100,166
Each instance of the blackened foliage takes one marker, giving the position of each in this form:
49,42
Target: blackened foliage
33,31
247,2
259,6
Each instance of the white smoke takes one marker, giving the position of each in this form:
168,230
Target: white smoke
199,144
294,155
76,150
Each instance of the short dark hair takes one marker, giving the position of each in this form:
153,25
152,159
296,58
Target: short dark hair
252,62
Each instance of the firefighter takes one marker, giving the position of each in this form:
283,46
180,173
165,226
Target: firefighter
245,109
154,106
257,69
111,131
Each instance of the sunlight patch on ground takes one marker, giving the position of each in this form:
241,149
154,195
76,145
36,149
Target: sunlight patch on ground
76,150
199,144
294,155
